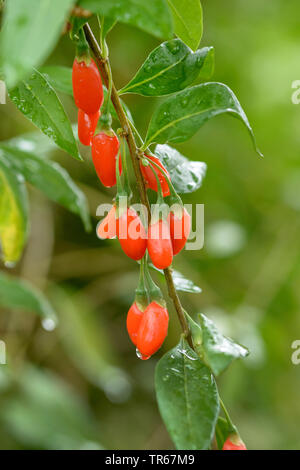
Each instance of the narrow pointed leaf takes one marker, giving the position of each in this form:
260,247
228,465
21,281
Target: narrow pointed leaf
181,115
218,350
30,31
171,67
153,17
187,397
13,212
186,176
59,77
188,22
51,179
17,294
181,283
37,100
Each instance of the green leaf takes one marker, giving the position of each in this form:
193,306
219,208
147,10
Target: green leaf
153,16
59,77
186,176
218,350
188,21
187,397
13,212
171,67
51,179
30,31
181,115
107,25
37,100
17,294
34,142
181,283
44,412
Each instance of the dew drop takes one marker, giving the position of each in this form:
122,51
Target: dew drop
49,324
141,356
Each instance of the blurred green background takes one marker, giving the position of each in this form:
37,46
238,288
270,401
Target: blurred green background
82,386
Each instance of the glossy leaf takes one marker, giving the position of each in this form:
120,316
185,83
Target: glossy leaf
37,100
218,350
188,22
186,176
13,212
16,294
171,67
153,16
187,397
51,179
181,283
181,115
59,77
34,142
30,31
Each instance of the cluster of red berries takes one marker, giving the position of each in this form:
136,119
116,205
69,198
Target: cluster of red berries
147,322
88,96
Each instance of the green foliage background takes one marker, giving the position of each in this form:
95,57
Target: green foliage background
81,385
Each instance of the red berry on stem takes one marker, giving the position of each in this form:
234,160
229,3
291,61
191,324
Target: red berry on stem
153,329
106,228
105,149
150,179
132,234
234,442
87,86
179,230
160,245
134,318
87,124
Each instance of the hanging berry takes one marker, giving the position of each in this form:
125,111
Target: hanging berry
153,329
106,228
160,245
87,85
87,124
150,179
234,442
180,227
131,234
105,149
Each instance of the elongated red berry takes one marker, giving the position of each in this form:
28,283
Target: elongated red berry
105,149
87,86
153,329
134,318
179,230
234,442
106,228
132,234
150,179
87,124
160,245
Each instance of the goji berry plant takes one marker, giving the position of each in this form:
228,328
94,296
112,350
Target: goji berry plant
185,377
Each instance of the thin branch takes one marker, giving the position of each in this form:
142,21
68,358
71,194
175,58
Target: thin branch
134,154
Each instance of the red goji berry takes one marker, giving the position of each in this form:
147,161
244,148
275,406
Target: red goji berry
132,234
234,442
87,124
153,329
179,230
160,245
106,228
87,86
105,149
134,318
150,179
